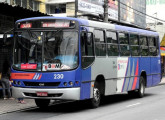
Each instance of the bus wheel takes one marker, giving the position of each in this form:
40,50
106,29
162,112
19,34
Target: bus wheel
95,101
42,103
141,90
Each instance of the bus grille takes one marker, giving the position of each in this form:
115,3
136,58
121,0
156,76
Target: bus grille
44,84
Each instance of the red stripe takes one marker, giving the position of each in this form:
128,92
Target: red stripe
135,79
27,76
40,77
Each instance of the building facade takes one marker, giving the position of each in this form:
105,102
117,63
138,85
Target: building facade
60,7
155,8
128,11
133,12
12,10
29,4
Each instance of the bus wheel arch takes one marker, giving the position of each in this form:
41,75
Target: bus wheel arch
139,92
98,91
142,84
101,81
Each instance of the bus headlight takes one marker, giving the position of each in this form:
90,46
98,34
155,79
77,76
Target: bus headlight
19,83
71,83
15,82
65,83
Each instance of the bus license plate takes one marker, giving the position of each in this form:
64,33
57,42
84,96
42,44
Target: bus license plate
42,94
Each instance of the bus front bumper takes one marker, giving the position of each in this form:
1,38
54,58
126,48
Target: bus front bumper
38,93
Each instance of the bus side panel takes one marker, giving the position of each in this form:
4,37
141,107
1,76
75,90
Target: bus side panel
85,84
155,70
122,71
145,66
106,67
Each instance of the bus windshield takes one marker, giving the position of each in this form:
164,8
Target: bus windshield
46,51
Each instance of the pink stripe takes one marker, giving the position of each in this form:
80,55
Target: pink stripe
135,79
125,75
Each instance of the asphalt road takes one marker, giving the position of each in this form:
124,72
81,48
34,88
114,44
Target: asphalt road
116,107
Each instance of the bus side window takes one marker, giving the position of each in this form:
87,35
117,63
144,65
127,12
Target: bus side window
134,45
100,46
87,49
143,46
152,46
124,45
112,43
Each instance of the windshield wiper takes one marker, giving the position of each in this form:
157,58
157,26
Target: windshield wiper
31,50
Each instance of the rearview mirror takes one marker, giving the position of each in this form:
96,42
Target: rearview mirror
4,38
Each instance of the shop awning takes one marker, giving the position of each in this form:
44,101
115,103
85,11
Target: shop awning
9,14
18,12
162,43
162,51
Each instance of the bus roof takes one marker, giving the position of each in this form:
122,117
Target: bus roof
51,17
97,24
135,30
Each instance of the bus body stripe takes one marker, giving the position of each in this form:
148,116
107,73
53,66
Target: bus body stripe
128,74
132,74
40,77
125,79
26,76
136,76
35,77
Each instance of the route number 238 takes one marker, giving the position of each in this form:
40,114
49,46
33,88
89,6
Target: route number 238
58,76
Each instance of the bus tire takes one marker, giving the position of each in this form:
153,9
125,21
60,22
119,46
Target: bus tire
42,103
95,101
141,90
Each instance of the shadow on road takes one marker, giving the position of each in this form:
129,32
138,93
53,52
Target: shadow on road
77,106
119,98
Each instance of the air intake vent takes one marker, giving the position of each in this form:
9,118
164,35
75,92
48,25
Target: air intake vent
45,84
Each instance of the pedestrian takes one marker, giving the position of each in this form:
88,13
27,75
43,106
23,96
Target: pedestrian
20,100
5,83
5,63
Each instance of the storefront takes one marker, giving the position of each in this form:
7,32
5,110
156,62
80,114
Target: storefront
162,51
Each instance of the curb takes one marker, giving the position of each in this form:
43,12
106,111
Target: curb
30,108
18,110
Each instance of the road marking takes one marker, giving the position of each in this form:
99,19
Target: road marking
133,105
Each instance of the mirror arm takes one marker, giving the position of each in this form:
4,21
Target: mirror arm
5,36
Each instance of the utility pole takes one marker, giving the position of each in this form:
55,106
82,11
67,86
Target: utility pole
105,11
118,10
27,4
76,8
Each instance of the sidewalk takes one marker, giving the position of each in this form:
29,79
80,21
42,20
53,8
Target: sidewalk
7,106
